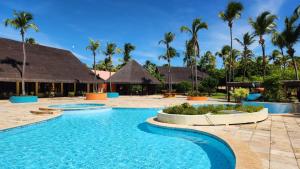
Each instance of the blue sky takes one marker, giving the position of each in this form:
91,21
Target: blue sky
68,24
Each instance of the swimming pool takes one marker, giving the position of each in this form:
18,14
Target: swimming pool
110,139
78,106
273,107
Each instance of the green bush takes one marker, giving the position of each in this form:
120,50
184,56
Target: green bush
195,93
183,87
273,89
71,94
240,93
209,85
187,109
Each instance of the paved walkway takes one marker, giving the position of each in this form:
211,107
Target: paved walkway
276,140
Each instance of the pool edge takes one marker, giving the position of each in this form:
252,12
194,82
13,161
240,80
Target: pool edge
245,158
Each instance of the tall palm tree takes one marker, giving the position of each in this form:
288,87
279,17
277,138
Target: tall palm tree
291,35
22,21
170,53
128,48
189,59
197,25
247,40
232,12
264,24
94,48
232,61
111,49
278,40
224,54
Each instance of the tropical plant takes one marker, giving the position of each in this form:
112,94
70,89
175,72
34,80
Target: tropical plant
30,41
22,21
247,40
152,69
278,40
240,93
183,87
111,49
189,59
224,54
232,61
197,25
264,24
94,48
207,63
128,48
209,85
273,88
232,12
291,35
170,53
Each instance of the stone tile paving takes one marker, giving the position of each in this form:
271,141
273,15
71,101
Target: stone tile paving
276,140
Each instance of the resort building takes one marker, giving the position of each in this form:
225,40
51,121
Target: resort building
179,74
105,75
49,71
133,79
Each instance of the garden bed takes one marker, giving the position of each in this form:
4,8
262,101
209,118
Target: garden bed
96,96
212,115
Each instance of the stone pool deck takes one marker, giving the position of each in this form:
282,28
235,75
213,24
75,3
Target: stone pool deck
276,141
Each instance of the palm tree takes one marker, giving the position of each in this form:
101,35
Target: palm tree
189,59
247,40
128,48
278,40
111,49
232,60
30,41
197,25
291,35
232,12
94,48
22,21
264,24
170,53
224,54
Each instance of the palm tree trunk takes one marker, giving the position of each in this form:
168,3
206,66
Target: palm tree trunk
24,65
230,76
192,73
169,75
261,41
196,73
95,84
110,85
291,52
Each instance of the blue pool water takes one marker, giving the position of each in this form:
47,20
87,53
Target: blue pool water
77,106
110,139
273,107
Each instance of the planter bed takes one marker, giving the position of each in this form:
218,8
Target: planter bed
95,96
23,99
234,117
197,98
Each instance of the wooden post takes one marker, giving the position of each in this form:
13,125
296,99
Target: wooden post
74,87
62,89
36,88
94,87
88,88
17,88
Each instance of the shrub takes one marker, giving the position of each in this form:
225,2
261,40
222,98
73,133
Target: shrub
209,85
273,89
195,93
187,109
240,93
183,87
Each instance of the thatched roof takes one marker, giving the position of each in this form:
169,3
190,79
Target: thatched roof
44,64
179,74
133,73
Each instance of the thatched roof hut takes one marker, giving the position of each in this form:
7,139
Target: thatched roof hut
44,64
133,73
